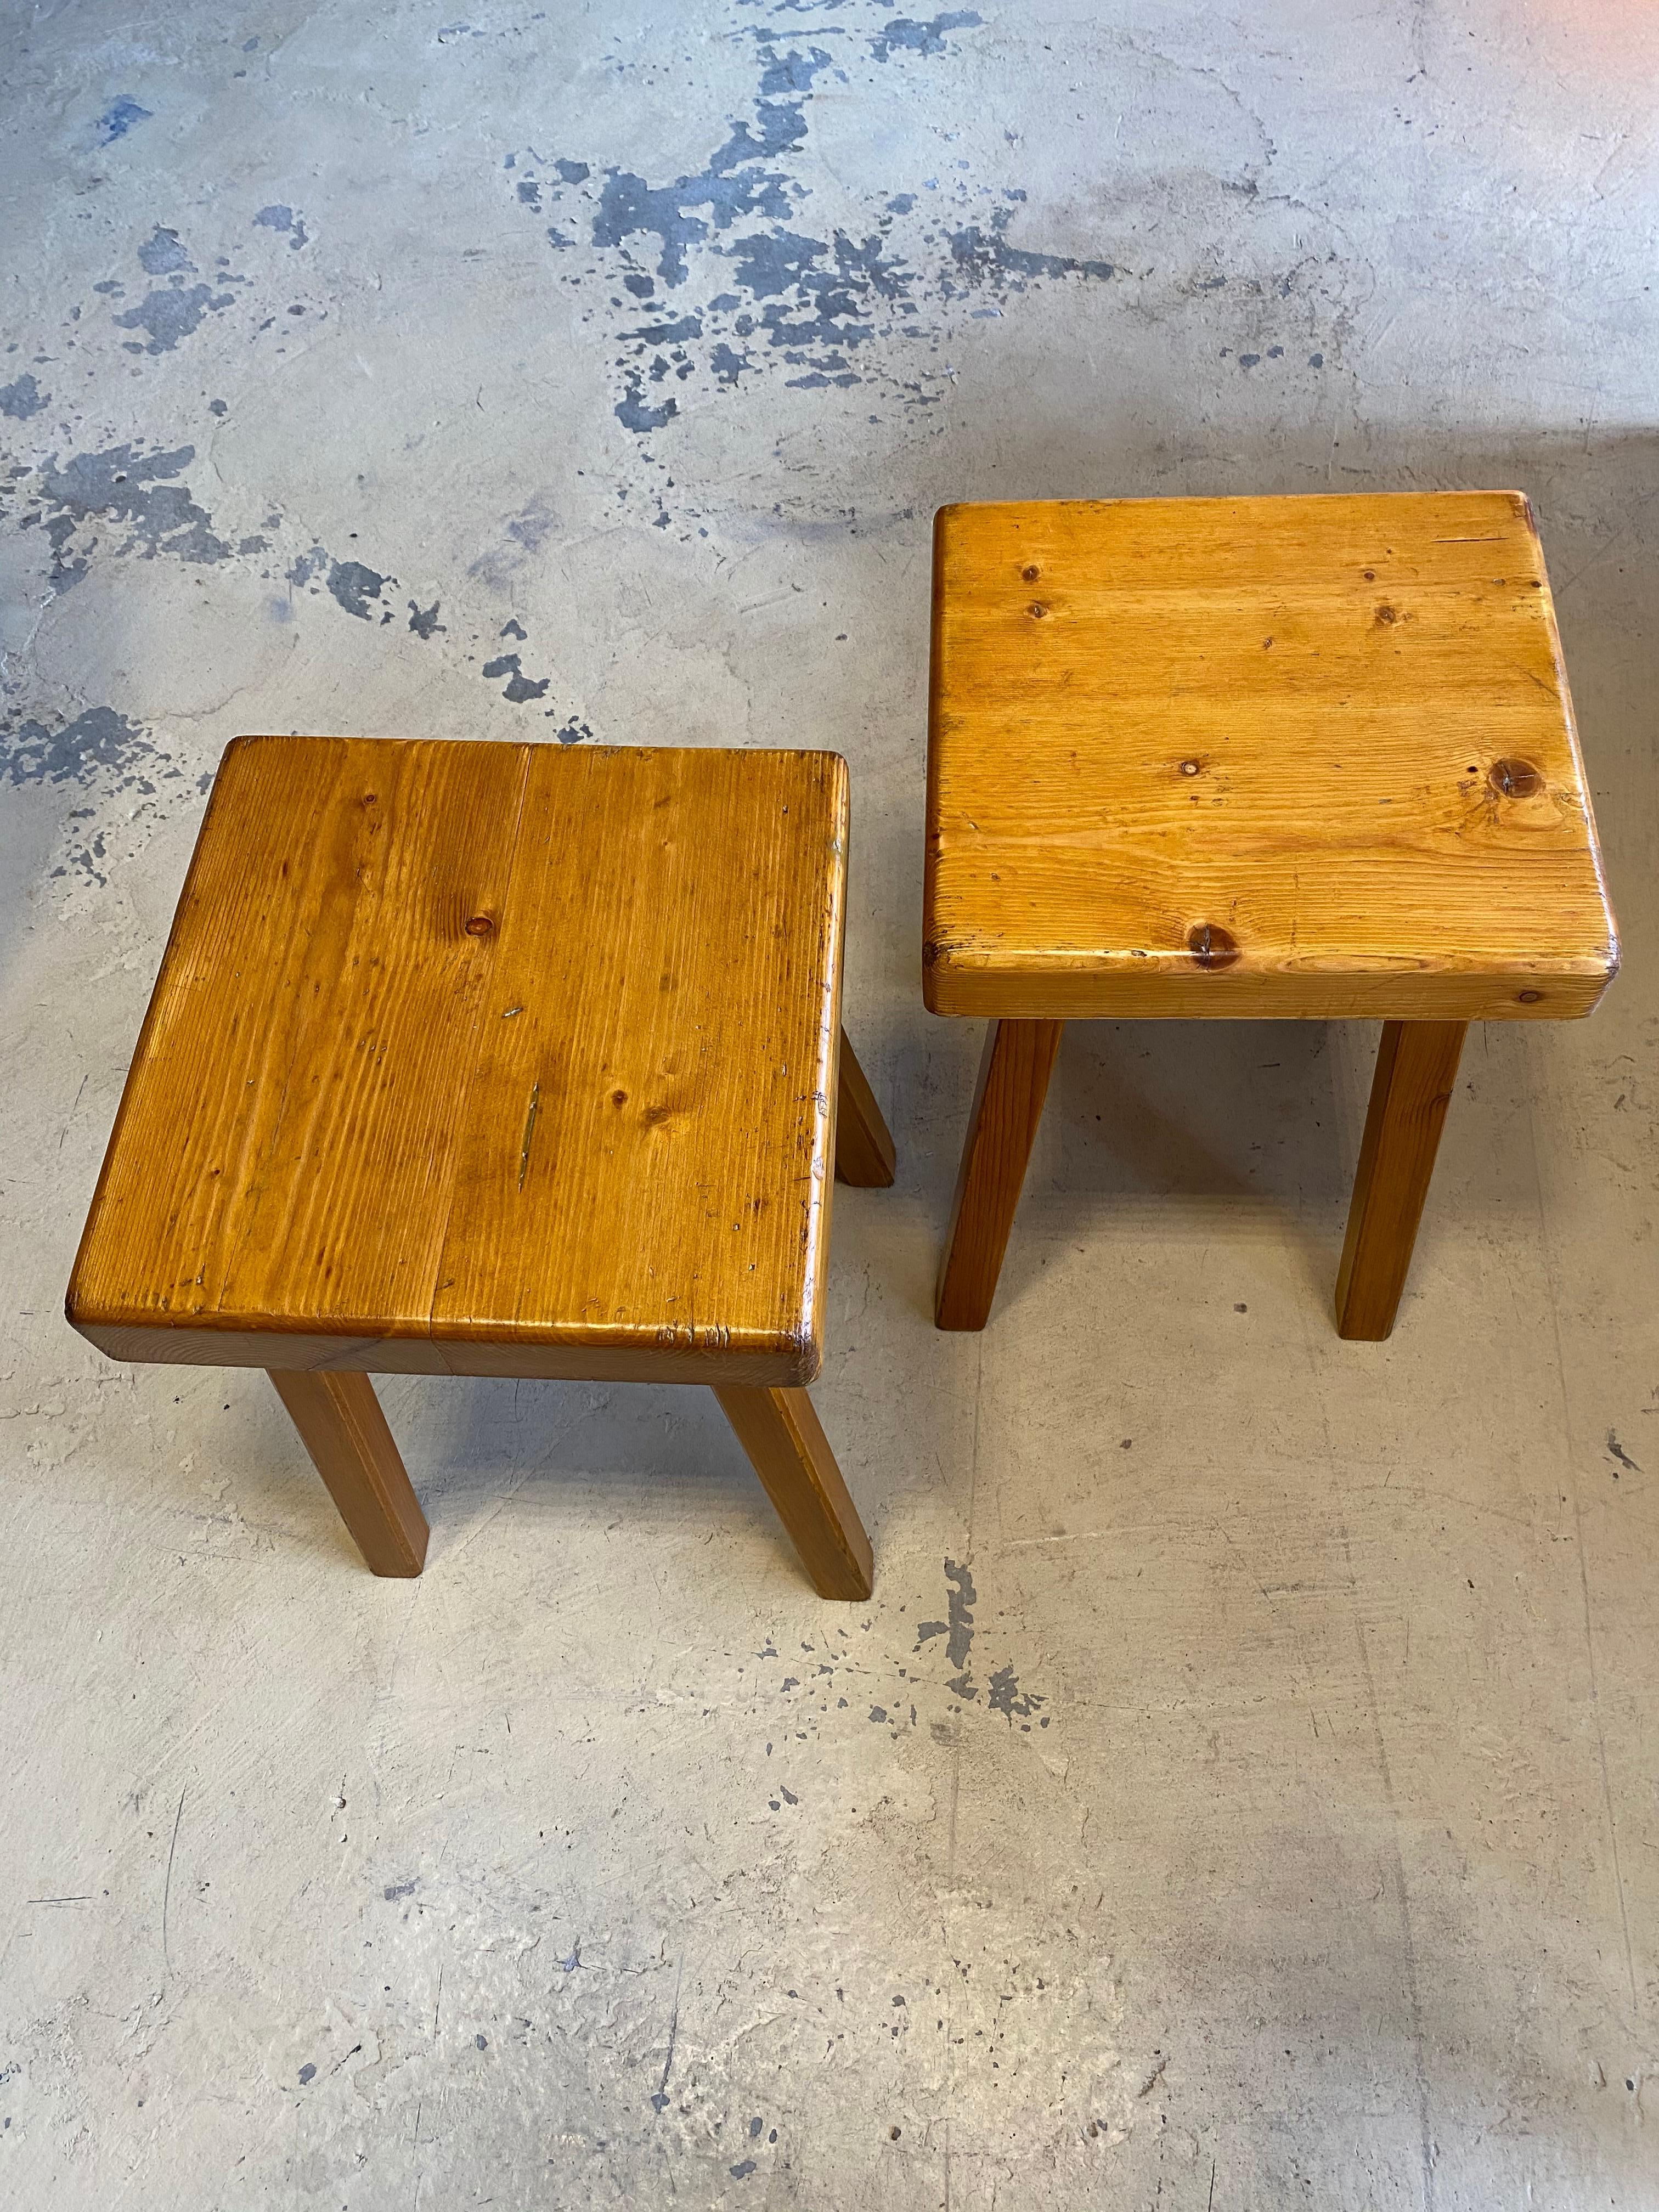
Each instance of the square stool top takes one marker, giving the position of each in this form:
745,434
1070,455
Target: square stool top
483,1058
1300,757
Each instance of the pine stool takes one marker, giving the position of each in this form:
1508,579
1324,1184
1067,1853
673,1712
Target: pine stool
1308,758
471,1059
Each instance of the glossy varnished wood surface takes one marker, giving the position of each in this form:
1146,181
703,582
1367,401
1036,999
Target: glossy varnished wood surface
1416,1074
865,1153
787,1449
1014,1070
343,1427
487,1059
1303,756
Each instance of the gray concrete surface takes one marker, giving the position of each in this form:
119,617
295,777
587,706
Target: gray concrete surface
1275,1821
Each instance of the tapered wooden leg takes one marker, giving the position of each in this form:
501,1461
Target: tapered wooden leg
864,1149
789,1451
342,1426
1013,1082
1416,1070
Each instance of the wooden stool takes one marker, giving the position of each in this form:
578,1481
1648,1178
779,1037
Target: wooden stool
498,1060
1307,759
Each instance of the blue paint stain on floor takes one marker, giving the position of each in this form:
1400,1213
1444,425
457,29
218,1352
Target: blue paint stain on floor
119,118
99,741
819,310
906,35
22,399
280,216
123,485
163,253
167,316
519,688
353,586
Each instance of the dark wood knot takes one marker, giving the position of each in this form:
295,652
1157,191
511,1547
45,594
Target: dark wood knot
1036,610
1212,945
1514,778
1529,998
1031,574
480,926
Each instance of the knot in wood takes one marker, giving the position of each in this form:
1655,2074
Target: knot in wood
1212,945
1514,778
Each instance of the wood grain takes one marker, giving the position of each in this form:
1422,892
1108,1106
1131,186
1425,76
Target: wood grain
1013,1083
1416,1073
646,1156
864,1155
1300,756
487,1059
780,1431
343,1427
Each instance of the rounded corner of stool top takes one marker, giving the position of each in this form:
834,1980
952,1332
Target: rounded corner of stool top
805,1352
954,516
841,769
1522,505
246,741
936,970
77,1307
101,1321
1609,960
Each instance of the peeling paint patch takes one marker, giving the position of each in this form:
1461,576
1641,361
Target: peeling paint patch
162,254
122,485
353,586
1004,1695
172,314
520,687
991,261
97,740
905,35
22,399
632,411
869,299
958,1629
119,118
278,217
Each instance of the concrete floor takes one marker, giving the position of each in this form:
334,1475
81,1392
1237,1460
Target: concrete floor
1275,1821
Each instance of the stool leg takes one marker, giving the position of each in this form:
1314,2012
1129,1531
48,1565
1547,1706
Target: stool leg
789,1451
1416,1070
342,1426
864,1149
1013,1082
